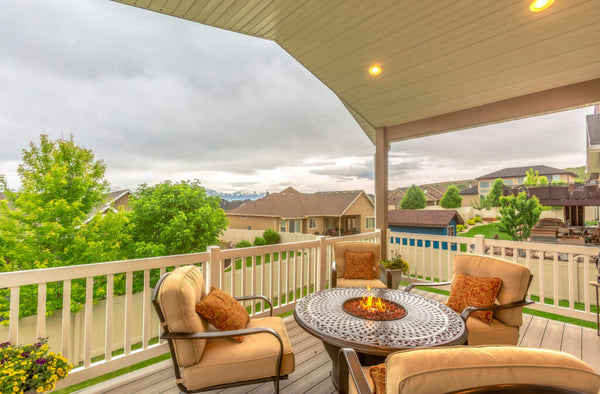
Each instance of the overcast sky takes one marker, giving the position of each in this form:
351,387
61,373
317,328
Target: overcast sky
156,98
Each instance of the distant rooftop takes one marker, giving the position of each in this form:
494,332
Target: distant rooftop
423,217
522,171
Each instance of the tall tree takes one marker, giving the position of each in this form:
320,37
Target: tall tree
451,198
414,198
174,218
493,198
518,215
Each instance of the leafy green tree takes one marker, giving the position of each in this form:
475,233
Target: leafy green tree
44,223
174,218
532,177
518,215
414,198
493,198
451,198
543,181
480,203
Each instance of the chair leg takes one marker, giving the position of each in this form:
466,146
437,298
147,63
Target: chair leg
276,383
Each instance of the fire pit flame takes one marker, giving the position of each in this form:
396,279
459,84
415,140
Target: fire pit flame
372,304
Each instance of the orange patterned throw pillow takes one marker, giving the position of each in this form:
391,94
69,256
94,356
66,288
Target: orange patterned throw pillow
474,291
377,373
223,311
359,265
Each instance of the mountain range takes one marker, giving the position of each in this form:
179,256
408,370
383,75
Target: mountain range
235,195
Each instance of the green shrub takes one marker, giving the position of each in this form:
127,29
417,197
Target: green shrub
271,237
460,227
259,241
477,219
243,244
471,222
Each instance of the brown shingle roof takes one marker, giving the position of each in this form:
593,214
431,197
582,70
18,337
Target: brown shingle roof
290,203
423,217
521,171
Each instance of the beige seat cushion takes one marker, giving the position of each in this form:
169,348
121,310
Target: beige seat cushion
439,370
495,333
515,280
178,295
225,361
341,282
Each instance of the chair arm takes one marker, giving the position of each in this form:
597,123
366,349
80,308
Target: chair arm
428,284
348,365
254,297
333,277
470,309
222,334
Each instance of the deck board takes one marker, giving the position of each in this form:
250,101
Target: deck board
312,373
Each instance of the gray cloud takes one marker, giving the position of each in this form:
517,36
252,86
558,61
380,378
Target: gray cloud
162,98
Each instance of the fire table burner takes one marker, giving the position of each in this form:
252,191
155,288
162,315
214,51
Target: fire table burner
426,323
392,311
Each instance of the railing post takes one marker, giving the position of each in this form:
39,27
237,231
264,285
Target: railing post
323,266
479,244
214,267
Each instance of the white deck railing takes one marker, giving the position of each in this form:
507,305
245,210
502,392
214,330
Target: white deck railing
561,273
127,324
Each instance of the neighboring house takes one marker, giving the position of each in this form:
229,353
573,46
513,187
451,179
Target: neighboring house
433,196
229,205
308,213
516,176
113,201
469,195
593,144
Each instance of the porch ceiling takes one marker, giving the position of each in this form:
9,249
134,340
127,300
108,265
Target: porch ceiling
446,65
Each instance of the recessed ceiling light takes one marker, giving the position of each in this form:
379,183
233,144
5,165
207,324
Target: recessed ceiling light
375,69
540,5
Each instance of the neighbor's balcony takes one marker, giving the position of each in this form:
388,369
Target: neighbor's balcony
122,329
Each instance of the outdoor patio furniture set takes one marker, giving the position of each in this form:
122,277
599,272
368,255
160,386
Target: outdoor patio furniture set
414,351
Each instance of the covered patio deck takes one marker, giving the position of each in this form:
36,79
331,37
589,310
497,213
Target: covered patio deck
313,364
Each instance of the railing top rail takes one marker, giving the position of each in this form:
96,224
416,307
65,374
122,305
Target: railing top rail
267,249
45,275
430,237
356,237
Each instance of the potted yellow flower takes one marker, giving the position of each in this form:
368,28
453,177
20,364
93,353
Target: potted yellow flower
396,267
30,368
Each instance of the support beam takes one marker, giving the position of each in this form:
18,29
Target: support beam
382,147
553,100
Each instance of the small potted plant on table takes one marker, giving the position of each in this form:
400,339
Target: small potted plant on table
393,269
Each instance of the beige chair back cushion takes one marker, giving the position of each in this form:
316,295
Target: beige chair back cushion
178,295
343,247
515,281
441,370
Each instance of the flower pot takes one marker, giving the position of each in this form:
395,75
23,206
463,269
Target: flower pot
396,276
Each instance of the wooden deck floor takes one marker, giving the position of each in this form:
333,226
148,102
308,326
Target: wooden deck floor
313,364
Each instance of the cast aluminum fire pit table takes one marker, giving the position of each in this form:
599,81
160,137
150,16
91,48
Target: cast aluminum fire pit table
426,323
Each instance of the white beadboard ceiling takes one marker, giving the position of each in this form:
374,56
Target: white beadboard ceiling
441,60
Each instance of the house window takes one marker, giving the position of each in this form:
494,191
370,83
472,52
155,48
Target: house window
282,226
450,231
509,182
312,223
330,223
294,226
521,180
370,223
484,185
554,178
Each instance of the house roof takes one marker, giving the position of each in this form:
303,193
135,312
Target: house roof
291,203
106,203
447,65
522,171
470,190
227,205
423,217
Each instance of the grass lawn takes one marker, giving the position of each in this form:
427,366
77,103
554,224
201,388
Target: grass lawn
487,230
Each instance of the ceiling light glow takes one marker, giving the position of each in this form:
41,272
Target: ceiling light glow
540,5
375,69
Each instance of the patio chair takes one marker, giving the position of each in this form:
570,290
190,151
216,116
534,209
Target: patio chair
468,369
506,316
207,360
340,275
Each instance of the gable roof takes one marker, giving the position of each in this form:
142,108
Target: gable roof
470,190
423,217
291,203
522,171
